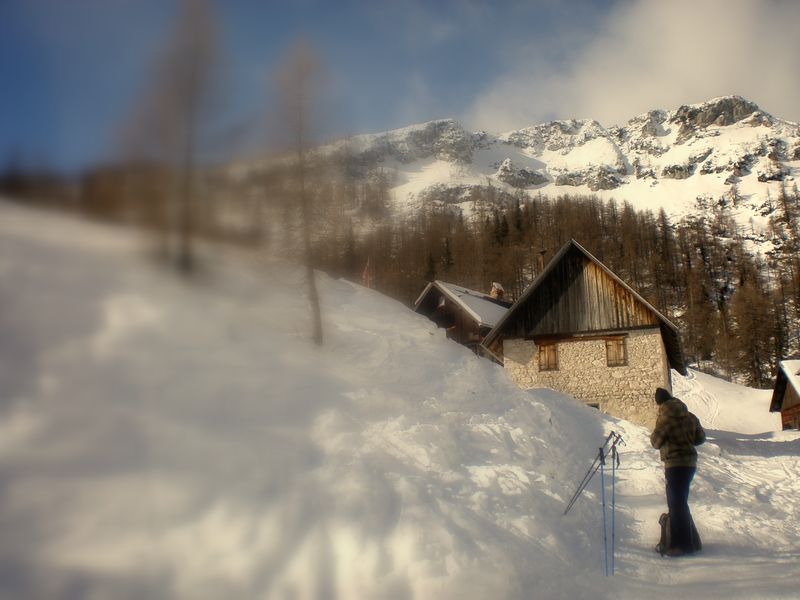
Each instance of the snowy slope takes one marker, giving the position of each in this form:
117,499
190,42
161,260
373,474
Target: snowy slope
726,406
182,439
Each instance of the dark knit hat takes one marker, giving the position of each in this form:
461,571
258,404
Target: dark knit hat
662,396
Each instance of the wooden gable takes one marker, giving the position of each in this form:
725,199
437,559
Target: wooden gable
577,294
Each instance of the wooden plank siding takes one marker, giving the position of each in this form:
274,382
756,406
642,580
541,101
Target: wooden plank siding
579,296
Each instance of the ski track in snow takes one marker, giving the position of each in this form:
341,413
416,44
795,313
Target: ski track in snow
703,403
168,438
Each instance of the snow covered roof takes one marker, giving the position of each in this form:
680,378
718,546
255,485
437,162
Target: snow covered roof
788,375
485,310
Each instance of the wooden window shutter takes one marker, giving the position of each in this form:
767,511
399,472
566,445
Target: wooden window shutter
616,352
548,357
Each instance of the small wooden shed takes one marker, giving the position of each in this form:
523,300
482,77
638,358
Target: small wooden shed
466,314
580,329
786,395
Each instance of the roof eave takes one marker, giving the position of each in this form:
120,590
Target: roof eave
422,295
463,305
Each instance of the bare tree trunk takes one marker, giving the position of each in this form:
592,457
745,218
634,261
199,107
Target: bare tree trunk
171,123
296,78
187,209
308,256
313,298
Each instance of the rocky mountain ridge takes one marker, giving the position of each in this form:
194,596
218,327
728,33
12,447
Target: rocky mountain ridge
726,150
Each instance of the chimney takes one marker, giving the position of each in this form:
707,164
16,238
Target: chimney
540,261
497,291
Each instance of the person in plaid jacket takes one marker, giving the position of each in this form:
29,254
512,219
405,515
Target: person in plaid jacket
676,434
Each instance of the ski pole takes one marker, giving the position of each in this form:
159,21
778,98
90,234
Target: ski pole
589,474
602,457
614,465
582,486
592,469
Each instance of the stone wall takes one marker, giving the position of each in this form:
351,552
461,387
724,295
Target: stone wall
625,392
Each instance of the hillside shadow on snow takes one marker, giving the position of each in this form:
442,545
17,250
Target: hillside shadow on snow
718,550
758,444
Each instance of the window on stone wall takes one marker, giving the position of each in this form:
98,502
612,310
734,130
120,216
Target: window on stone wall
616,352
548,357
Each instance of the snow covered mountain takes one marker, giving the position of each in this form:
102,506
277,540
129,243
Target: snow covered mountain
726,151
172,438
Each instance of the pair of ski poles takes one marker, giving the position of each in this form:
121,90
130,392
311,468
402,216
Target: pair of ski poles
614,439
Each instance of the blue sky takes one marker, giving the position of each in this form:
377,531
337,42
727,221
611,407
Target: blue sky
72,71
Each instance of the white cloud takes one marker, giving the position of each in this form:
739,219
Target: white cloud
654,54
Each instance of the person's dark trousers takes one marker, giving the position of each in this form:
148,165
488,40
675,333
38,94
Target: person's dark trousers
678,481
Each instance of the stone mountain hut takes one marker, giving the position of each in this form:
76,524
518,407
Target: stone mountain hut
786,395
467,315
578,328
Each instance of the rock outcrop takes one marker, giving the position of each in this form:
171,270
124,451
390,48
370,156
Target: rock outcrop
519,177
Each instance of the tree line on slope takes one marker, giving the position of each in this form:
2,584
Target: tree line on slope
738,310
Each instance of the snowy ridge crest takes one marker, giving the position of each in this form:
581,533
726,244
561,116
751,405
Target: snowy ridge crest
725,151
